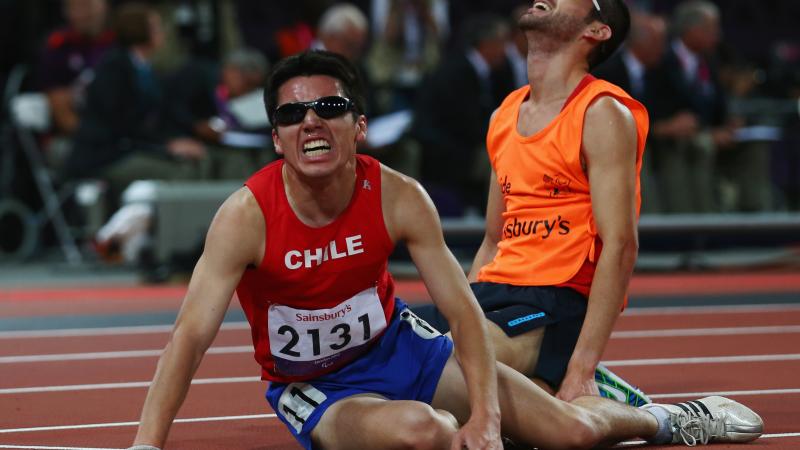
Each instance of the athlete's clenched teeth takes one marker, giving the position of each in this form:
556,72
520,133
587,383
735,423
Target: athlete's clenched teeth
316,147
542,6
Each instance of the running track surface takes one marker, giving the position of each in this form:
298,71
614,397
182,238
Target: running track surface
75,363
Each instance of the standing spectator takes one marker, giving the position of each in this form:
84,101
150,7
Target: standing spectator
343,29
633,69
687,165
69,57
119,139
452,115
408,41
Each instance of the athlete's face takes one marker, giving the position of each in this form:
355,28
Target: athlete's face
561,20
317,147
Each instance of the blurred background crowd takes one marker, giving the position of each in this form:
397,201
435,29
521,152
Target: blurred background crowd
98,94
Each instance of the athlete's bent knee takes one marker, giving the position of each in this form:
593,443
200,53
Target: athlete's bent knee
424,428
583,432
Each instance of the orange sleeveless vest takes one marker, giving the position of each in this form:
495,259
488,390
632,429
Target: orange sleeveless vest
549,230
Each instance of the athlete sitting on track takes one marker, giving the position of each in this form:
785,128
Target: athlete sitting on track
566,153
305,245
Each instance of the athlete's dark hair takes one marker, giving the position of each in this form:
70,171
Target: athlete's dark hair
315,62
615,14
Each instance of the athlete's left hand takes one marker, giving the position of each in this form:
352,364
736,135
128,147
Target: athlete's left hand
478,434
576,385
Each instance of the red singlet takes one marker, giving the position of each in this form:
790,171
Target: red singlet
321,296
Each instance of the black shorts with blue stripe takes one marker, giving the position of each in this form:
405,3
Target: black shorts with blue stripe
520,309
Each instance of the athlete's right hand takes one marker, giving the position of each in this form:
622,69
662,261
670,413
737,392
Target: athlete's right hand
575,385
478,434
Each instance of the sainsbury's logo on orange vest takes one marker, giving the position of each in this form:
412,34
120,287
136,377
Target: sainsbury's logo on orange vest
295,259
543,228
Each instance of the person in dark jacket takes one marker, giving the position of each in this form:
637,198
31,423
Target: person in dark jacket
119,138
635,68
452,112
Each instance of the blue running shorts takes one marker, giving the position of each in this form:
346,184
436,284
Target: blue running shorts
405,364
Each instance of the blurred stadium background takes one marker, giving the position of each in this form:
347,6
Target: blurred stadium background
735,206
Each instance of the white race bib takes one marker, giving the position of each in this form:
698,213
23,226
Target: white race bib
304,341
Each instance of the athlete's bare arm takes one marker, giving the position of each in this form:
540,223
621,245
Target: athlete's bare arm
609,150
494,228
411,217
234,241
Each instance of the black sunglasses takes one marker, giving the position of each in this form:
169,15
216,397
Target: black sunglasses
325,107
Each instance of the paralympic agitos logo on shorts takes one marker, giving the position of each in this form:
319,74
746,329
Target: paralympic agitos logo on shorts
543,228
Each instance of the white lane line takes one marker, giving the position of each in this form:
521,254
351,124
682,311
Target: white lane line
128,385
133,424
726,393
621,444
780,435
113,355
723,331
234,380
39,447
150,329
219,419
162,329
710,309
159,329
249,349
106,331
763,436
701,360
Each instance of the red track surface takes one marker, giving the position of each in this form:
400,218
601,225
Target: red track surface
773,386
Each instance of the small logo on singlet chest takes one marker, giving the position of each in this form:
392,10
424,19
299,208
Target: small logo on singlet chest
558,185
296,259
366,185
